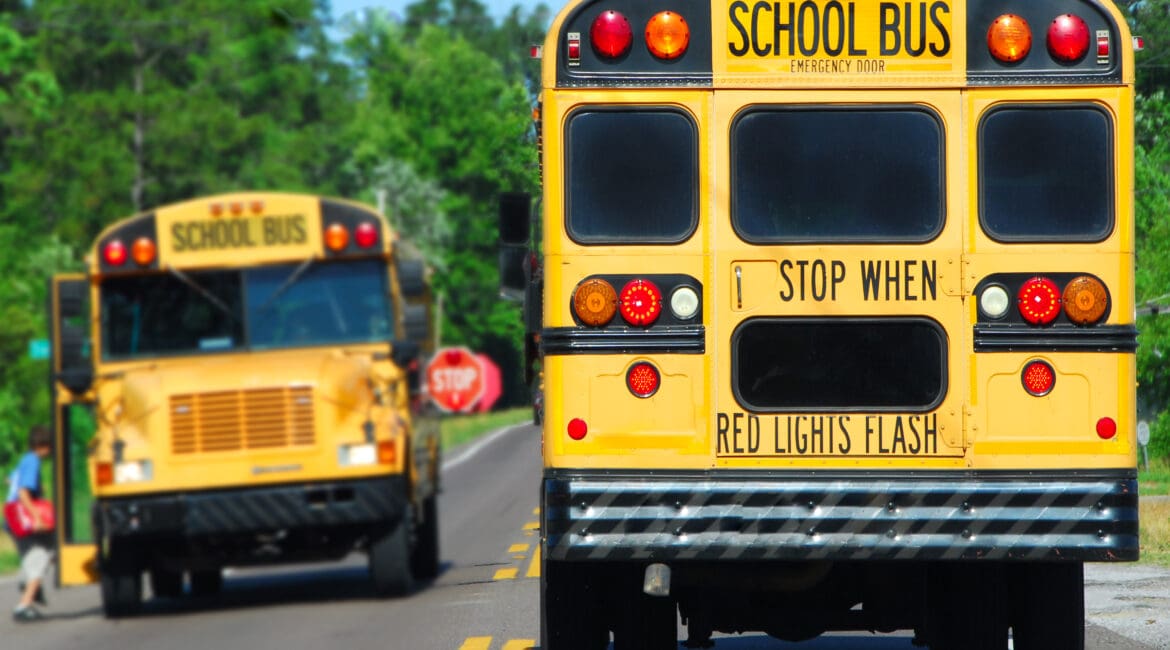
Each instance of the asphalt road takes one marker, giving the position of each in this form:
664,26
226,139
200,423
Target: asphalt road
486,597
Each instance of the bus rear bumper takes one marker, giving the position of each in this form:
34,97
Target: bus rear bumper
704,516
256,510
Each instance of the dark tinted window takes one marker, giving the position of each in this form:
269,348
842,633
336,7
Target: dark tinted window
837,175
858,364
632,176
1046,173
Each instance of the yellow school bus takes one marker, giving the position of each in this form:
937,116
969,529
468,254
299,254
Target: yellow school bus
835,318
235,381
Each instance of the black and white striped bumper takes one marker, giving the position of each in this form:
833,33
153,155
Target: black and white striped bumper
1054,515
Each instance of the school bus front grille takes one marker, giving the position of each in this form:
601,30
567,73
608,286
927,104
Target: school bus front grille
261,418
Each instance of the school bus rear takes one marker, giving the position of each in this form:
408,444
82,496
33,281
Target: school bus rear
252,390
837,318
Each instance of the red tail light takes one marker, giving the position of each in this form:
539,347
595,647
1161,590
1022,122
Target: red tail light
1068,38
1038,378
611,34
114,253
1106,428
1039,301
105,473
641,302
643,379
577,428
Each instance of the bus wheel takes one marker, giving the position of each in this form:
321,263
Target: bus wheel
389,555
207,582
121,583
424,557
570,608
967,606
1048,606
165,583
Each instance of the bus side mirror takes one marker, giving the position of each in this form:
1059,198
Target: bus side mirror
72,367
412,277
515,234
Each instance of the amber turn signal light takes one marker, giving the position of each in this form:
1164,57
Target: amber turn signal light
1009,39
595,302
1085,300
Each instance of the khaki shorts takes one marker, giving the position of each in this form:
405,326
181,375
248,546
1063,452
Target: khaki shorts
35,556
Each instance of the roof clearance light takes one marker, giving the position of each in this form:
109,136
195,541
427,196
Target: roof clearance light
256,206
1139,43
577,428
684,303
595,302
1038,378
236,207
143,251
1103,46
643,379
641,302
366,234
114,253
667,35
1068,38
216,209
994,301
1106,428
1009,39
336,237
611,34
573,48
1039,301
1085,300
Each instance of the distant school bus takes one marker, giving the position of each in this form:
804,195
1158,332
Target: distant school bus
835,317
236,382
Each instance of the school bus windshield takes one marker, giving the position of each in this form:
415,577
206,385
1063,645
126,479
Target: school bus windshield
270,307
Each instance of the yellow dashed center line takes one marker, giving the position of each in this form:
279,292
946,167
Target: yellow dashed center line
532,525
534,566
505,574
476,643
520,644
518,548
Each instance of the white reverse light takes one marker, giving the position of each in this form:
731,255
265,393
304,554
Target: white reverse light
994,301
684,303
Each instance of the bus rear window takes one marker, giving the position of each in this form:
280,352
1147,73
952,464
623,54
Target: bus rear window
632,176
837,174
856,364
1046,173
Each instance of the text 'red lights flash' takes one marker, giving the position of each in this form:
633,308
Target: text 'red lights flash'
611,34
667,35
1085,300
1010,38
641,302
595,302
1039,301
114,253
1068,38
1038,378
643,379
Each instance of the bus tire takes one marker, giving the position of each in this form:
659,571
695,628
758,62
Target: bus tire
571,615
165,583
424,557
121,586
1048,606
389,556
208,582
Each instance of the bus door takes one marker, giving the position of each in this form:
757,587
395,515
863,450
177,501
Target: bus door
843,332
74,427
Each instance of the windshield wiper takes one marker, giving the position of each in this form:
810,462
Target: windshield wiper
288,282
207,295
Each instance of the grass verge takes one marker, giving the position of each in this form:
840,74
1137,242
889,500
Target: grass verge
1155,531
1156,479
457,429
9,560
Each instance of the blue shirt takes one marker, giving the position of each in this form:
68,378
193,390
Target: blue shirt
27,475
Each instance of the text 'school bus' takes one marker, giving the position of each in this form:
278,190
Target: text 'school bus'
834,303
235,381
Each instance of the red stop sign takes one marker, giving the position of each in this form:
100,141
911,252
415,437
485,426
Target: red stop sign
455,379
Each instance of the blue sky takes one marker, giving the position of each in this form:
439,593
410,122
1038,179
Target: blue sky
497,8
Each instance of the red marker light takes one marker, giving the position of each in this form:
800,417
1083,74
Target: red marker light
1039,301
610,34
1038,378
643,379
366,235
114,253
1068,38
1106,428
577,428
640,302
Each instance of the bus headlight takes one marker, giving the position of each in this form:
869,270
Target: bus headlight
133,471
354,455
